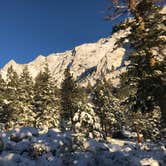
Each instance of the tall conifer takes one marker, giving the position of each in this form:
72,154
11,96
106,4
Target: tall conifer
71,95
44,100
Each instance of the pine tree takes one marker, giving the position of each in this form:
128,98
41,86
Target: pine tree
12,80
146,73
71,95
26,98
89,88
118,8
2,89
3,114
87,122
111,118
12,97
148,78
44,100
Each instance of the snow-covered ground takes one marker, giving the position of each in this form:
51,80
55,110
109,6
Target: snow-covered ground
28,146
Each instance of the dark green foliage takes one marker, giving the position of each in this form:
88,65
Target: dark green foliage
87,122
2,90
107,109
13,83
119,26
42,91
27,116
44,100
71,95
23,103
16,108
147,71
5,116
89,88
12,78
26,86
6,111
12,95
144,80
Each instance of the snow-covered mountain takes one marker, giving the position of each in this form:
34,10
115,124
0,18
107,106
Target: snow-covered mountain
87,62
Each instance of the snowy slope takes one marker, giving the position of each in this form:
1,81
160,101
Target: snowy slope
87,61
29,147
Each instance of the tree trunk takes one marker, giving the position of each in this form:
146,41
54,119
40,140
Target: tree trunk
139,138
105,130
162,105
140,21
132,6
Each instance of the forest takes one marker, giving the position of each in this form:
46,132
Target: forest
101,111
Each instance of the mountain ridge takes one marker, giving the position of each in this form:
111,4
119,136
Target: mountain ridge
87,62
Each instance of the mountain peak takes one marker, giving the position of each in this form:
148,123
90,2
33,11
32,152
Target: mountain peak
11,62
40,58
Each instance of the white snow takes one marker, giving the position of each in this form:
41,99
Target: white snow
80,60
26,146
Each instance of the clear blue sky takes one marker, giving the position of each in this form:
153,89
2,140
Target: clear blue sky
32,27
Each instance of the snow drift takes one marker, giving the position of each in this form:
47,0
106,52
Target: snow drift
28,146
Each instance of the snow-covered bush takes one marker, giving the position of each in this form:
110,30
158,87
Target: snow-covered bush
38,149
107,108
27,116
147,123
48,119
87,122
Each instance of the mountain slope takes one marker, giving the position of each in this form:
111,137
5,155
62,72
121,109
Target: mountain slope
87,62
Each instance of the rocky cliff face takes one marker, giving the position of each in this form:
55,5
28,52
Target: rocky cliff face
87,62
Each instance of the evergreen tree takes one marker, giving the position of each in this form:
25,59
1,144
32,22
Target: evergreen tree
87,122
148,78
111,118
146,72
12,81
3,114
26,98
89,88
12,97
26,85
44,100
118,8
2,90
71,95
